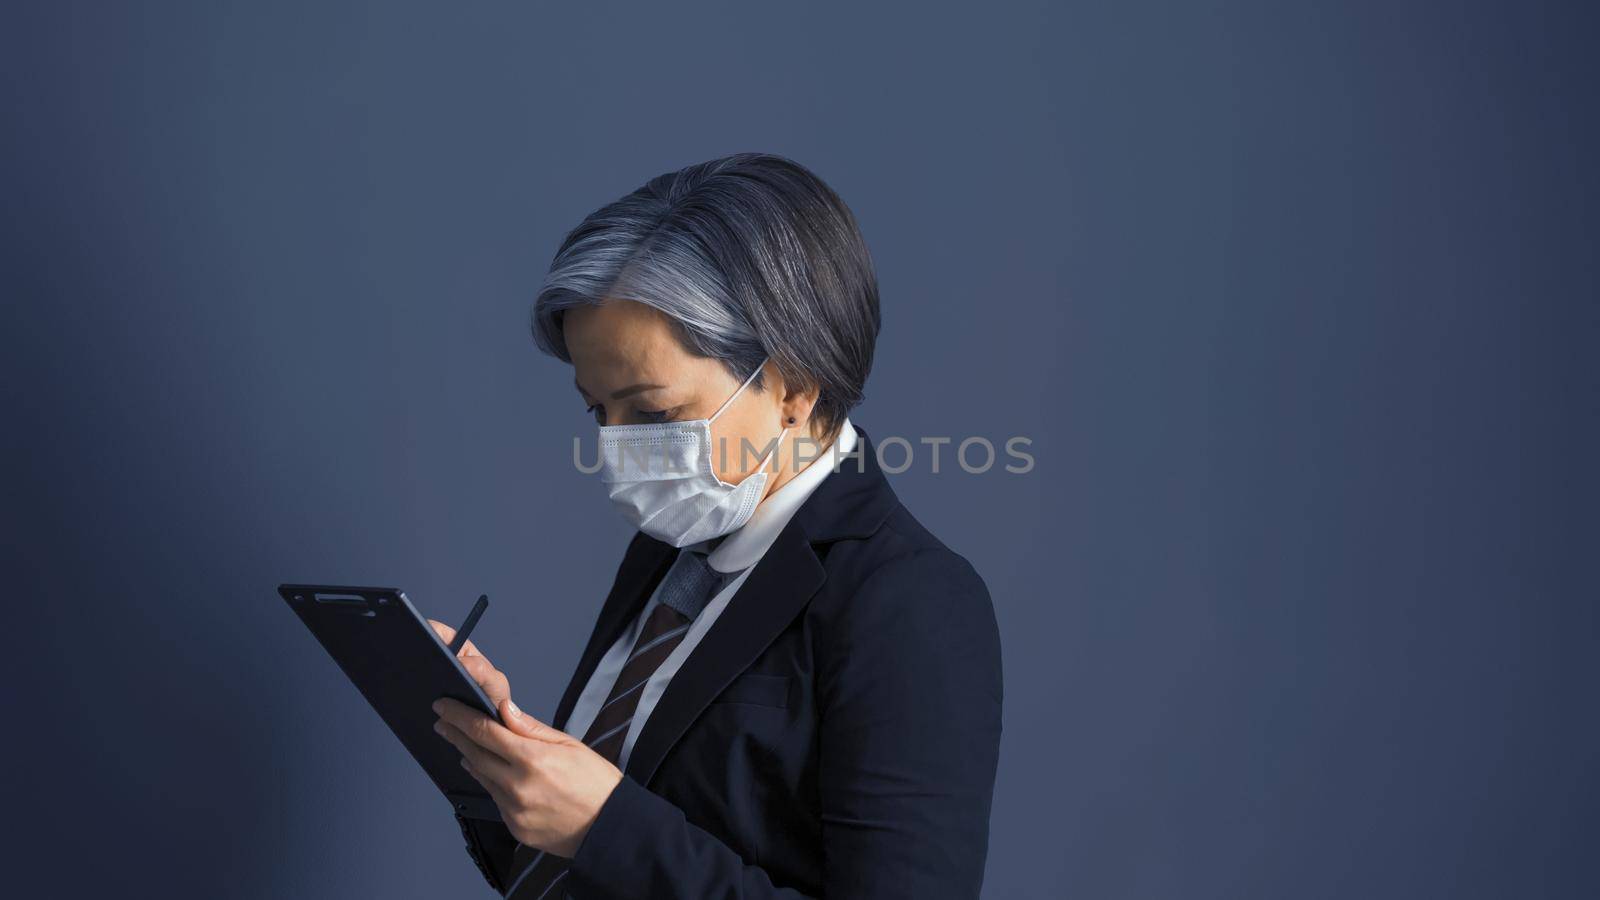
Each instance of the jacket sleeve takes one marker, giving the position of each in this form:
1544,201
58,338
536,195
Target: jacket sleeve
909,700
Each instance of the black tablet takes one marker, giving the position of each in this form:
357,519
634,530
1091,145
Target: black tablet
401,666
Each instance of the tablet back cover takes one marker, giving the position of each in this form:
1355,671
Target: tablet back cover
401,666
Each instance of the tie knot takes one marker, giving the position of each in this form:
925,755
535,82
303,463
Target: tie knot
689,583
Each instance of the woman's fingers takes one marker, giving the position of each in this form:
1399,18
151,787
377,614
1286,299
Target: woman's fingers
502,800
521,723
448,634
485,763
492,680
479,728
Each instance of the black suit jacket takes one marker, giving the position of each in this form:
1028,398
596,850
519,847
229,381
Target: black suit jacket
835,733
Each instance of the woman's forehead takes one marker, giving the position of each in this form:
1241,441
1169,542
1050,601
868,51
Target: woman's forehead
621,343
620,334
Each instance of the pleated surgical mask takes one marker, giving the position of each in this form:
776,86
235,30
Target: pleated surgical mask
659,476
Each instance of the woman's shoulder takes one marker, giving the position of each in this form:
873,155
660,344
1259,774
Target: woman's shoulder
899,575
900,608
900,547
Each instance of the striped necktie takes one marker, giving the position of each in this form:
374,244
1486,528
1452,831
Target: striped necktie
685,590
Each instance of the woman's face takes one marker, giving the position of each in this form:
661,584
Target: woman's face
631,369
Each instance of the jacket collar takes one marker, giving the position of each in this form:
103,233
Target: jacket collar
852,501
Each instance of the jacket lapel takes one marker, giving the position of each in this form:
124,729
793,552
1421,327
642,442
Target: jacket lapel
774,593
644,564
851,502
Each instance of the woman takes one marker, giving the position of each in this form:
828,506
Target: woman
793,689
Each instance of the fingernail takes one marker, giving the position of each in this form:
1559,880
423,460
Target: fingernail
436,705
512,705
438,728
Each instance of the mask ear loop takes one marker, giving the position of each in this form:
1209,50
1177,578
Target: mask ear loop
728,402
776,446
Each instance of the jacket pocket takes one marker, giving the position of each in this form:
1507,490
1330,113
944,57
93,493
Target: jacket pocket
757,689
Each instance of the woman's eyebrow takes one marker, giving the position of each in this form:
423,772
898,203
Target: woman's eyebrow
636,389
628,391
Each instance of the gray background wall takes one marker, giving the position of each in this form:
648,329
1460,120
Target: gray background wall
1297,302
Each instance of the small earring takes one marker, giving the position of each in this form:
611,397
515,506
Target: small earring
791,420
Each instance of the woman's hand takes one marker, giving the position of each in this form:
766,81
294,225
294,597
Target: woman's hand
492,680
548,785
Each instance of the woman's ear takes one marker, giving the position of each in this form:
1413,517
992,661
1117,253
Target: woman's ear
797,405
795,402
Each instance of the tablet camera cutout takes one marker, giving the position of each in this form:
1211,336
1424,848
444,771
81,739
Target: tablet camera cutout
352,603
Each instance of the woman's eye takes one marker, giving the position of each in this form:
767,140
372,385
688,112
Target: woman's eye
656,415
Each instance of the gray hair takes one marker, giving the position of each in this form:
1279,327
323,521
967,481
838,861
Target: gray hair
751,256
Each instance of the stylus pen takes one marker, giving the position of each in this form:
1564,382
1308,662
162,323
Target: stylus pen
471,623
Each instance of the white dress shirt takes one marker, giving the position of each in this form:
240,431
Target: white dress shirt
738,552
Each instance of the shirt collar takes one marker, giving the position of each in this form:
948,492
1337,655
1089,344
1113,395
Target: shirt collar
742,548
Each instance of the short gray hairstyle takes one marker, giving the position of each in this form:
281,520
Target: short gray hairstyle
751,255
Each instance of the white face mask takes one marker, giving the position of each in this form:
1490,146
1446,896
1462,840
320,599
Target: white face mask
659,476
